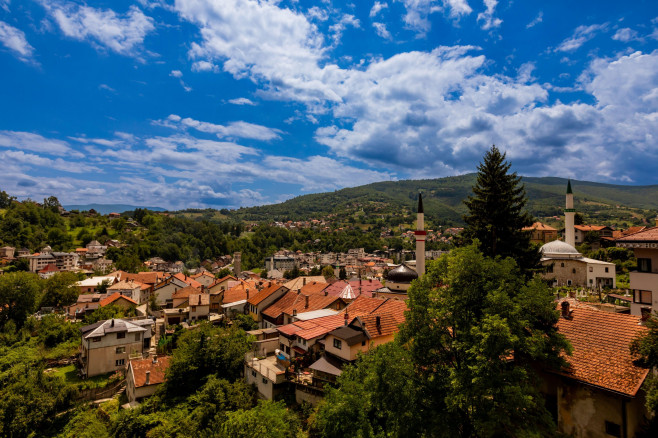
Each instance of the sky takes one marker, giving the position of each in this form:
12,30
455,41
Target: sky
229,103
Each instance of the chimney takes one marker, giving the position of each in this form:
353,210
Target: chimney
565,309
378,321
347,317
304,281
112,324
306,302
148,377
294,312
247,290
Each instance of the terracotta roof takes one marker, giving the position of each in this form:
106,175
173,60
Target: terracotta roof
388,323
189,280
201,274
156,371
239,292
590,227
360,287
601,355
648,235
314,288
50,267
125,285
299,282
185,292
114,297
292,301
539,227
265,293
150,278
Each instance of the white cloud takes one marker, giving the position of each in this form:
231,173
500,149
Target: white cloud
30,160
538,19
418,12
238,129
14,40
381,30
241,101
487,17
204,66
121,33
179,75
176,74
4,4
376,8
581,35
625,35
34,142
318,14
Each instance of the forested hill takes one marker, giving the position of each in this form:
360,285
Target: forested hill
443,199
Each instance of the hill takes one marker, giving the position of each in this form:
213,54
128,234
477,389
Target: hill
108,208
443,199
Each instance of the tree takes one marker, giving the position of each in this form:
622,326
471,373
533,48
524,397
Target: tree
496,213
19,296
52,203
475,329
5,199
328,272
342,274
60,290
111,311
268,419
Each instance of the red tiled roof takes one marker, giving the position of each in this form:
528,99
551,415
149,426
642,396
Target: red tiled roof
189,280
539,227
185,292
648,235
314,288
239,292
49,268
590,227
292,301
114,297
157,370
601,354
199,300
360,287
263,294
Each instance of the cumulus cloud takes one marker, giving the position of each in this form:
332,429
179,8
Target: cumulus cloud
381,30
625,35
581,35
104,28
14,40
376,8
487,18
237,129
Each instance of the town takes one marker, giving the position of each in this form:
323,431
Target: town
301,320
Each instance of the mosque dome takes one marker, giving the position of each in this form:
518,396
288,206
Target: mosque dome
558,248
402,274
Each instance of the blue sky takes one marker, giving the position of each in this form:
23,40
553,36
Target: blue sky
228,103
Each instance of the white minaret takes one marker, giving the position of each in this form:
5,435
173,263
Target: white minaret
420,238
569,213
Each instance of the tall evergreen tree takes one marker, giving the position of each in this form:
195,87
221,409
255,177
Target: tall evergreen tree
496,213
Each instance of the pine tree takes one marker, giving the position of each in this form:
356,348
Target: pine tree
496,213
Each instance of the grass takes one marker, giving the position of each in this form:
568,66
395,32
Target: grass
70,375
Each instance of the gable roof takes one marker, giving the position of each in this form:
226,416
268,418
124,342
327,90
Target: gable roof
591,227
359,287
293,302
538,226
239,292
314,288
185,292
603,360
647,235
198,300
299,282
265,293
114,297
125,285
189,280
110,326
156,370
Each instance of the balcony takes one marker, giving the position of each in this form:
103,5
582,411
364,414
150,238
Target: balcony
644,280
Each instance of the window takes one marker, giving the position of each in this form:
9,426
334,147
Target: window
561,265
253,373
568,282
573,270
591,281
120,362
96,339
643,296
607,269
138,337
338,343
591,269
643,265
363,343
612,429
265,381
121,335
121,350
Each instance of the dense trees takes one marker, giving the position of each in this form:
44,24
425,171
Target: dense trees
496,213
19,295
463,361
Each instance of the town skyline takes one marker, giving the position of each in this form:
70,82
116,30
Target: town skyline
195,103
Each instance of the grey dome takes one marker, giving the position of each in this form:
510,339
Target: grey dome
402,274
558,247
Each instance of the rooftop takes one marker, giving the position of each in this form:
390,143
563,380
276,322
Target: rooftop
648,235
156,370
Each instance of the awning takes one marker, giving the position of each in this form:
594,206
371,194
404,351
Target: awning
328,365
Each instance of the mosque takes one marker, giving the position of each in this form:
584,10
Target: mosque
565,266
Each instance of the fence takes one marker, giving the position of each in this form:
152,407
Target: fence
99,393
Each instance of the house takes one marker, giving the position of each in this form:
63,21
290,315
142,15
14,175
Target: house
114,215
47,272
107,345
263,299
565,266
7,252
299,282
205,278
144,377
287,307
267,374
644,281
180,298
357,287
235,298
137,291
95,247
541,233
599,393
165,289
119,300
85,305
581,231
199,305
91,285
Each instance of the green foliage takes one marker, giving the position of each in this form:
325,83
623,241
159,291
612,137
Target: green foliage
496,213
86,423
111,311
60,290
19,295
224,272
377,397
5,199
473,339
342,274
328,272
645,348
268,419
244,322
205,351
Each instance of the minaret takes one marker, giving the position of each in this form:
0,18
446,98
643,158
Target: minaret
569,213
420,238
